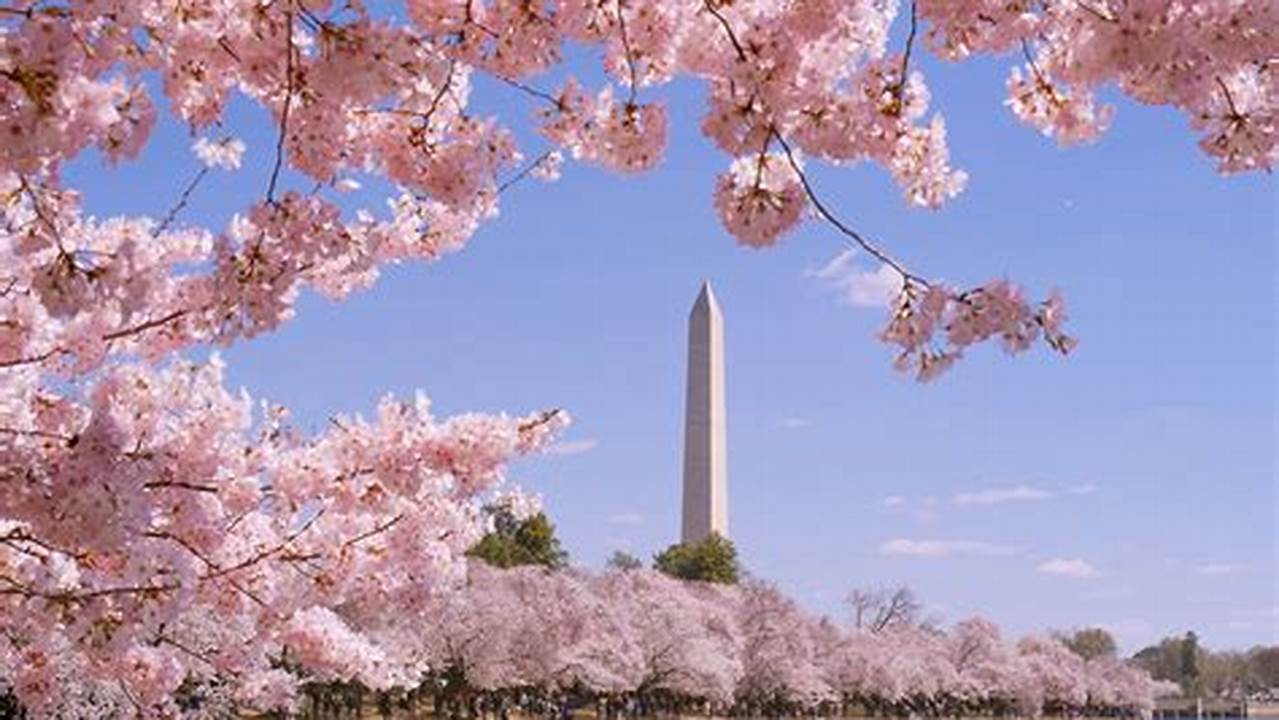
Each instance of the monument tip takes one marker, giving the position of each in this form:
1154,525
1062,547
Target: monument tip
706,296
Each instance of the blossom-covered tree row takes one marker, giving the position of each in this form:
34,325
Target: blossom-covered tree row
749,649
640,642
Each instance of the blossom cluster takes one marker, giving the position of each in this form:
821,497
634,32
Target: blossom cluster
933,324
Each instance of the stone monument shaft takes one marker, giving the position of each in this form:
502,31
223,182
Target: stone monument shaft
705,442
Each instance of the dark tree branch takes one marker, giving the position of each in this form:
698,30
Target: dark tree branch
181,203
630,57
524,171
861,241
288,103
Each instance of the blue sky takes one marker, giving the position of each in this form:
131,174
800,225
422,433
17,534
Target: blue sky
1149,454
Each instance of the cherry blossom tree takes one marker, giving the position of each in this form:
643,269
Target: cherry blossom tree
687,636
748,649
142,500
778,652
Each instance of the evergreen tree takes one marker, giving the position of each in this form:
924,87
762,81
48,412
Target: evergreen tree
516,542
711,559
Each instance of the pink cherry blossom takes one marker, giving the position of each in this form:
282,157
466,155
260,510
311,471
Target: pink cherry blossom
224,153
759,199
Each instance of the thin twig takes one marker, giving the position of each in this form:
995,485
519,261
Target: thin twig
1104,16
379,529
907,276
542,418
1235,115
181,204
179,485
630,59
144,326
910,44
40,212
524,171
444,90
197,655
116,335
541,94
31,359
68,596
732,37
38,433
288,102
264,554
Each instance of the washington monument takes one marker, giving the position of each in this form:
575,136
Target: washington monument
705,446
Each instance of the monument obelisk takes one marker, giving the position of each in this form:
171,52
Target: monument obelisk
705,442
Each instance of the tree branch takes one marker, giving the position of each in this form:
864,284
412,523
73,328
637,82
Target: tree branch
861,241
630,59
524,171
288,102
181,203
732,37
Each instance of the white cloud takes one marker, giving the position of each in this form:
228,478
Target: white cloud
857,285
1071,568
628,518
572,447
1220,569
893,500
940,548
992,496
795,423
1081,489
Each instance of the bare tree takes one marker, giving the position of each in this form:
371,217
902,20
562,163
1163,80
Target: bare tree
875,609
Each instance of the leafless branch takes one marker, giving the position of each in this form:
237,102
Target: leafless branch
860,240
144,326
524,171
530,90
876,610
288,103
381,528
630,56
910,44
181,203
723,21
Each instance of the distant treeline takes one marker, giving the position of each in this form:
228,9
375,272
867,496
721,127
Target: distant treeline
1204,673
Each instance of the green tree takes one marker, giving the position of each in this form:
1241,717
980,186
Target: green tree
1188,659
711,559
623,561
1090,643
514,542
1263,664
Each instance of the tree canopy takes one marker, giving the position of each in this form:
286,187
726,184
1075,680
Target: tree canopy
1199,671
711,559
624,561
1089,643
514,542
